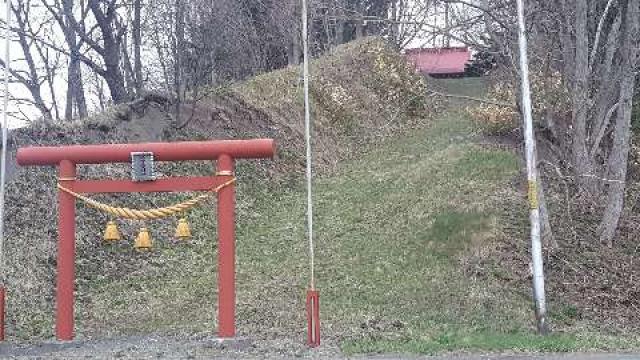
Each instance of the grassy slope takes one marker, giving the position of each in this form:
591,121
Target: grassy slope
392,228
438,199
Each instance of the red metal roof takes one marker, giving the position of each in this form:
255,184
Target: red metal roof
439,60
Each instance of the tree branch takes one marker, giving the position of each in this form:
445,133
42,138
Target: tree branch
596,41
464,97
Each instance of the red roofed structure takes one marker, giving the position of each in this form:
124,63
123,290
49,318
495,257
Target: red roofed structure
450,61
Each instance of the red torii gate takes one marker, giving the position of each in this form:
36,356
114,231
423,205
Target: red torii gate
67,157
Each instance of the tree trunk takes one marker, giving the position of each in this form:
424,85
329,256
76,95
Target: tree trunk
68,110
78,91
113,72
546,231
329,35
137,44
111,38
340,37
446,40
38,102
75,86
294,49
100,90
75,89
618,159
178,51
130,80
582,162
395,26
360,26
115,83
163,63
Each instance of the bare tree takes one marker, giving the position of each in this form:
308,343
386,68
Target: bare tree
63,14
593,46
39,65
99,26
621,130
103,33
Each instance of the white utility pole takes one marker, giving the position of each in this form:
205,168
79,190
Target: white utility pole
313,297
307,136
5,123
532,176
3,161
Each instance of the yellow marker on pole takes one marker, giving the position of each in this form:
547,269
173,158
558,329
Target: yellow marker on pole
533,195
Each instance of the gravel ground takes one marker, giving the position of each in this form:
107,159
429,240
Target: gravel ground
163,347
166,347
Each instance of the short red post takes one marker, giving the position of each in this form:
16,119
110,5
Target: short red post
313,318
226,251
66,253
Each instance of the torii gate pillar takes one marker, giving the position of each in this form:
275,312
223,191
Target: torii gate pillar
66,254
226,252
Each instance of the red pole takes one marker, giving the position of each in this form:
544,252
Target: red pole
226,251
313,318
66,254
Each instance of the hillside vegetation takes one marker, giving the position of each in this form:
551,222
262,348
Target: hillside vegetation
593,281
421,224
361,93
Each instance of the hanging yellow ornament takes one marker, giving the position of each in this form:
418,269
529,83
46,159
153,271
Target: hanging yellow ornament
183,231
143,241
111,233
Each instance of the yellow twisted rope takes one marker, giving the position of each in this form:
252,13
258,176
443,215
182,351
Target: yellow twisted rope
158,213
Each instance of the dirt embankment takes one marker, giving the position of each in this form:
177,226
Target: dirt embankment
361,92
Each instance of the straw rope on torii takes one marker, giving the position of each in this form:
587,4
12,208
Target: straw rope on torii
149,214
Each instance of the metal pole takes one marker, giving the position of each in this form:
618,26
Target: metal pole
313,296
5,118
307,135
3,161
532,176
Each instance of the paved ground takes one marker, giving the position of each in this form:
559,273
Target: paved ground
156,347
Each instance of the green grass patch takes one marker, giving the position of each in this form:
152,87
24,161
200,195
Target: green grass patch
451,231
445,342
